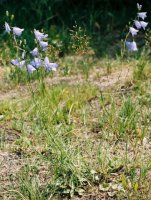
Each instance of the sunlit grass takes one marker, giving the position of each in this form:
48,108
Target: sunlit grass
84,136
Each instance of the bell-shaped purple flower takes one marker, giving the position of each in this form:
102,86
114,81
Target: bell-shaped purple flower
50,66
133,31
137,24
43,45
21,64
17,31
30,68
18,63
39,36
37,62
46,60
131,46
142,15
143,24
15,62
53,66
34,52
7,28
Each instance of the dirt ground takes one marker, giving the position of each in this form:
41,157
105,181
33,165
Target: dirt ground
11,163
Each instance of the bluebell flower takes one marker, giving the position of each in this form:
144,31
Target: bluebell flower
43,45
139,7
21,64
39,36
30,68
7,28
53,66
143,24
131,46
18,63
17,31
37,62
50,66
142,15
133,31
34,52
15,62
46,60
137,24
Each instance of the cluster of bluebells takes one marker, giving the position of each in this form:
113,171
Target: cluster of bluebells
138,24
36,55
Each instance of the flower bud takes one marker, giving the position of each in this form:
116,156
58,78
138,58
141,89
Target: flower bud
7,13
12,17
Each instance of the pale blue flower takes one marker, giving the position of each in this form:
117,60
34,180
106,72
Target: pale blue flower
21,64
142,15
139,7
34,52
17,31
18,63
53,66
7,28
133,31
39,36
131,46
37,62
137,24
43,45
15,62
143,24
50,66
46,60
30,68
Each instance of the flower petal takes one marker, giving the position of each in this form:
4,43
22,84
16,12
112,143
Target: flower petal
43,45
39,36
133,31
142,15
17,31
131,46
143,24
137,24
7,28
30,68
34,52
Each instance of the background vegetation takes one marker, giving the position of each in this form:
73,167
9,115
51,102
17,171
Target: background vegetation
103,20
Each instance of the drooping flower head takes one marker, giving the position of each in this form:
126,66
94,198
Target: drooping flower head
137,24
18,63
21,64
46,60
37,62
131,46
43,45
53,66
7,28
17,31
142,15
34,52
143,24
39,36
133,31
15,62
30,68
50,66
